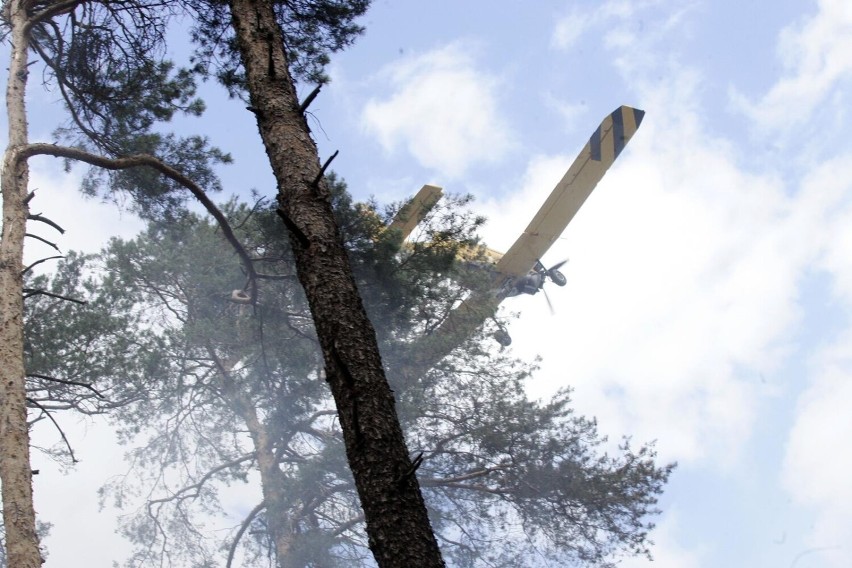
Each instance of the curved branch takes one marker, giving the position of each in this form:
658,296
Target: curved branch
155,163
46,221
45,241
252,514
58,427
36,263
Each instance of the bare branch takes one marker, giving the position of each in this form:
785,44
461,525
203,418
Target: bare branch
192,491
45,241
55,9
309,99
325,167
436,482
58,427
343,527
36,263
46,221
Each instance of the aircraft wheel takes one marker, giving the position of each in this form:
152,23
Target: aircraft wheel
558,278
503,338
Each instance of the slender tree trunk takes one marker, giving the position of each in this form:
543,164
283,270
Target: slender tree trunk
22,550
271,479
398,527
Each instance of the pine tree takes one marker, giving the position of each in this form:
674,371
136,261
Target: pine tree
112,118
239,389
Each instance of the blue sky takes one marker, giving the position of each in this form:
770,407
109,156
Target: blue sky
709,282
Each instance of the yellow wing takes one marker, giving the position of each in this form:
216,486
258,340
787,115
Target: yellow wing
571,192
415,210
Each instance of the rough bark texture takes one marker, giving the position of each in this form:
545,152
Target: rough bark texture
22,550
398,527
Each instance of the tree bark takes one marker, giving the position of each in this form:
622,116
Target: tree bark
398,528
22,548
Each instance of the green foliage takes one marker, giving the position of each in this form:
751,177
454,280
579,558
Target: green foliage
151,194
107,61
313,30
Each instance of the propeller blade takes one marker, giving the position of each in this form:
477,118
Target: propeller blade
558,265
549,304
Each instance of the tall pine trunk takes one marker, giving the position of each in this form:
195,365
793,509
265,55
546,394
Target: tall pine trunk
22,550
398,527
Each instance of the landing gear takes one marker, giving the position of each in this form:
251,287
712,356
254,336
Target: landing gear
557,277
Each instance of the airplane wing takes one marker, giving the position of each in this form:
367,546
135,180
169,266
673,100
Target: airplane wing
571,192
415,210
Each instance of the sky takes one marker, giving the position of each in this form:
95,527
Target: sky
709,283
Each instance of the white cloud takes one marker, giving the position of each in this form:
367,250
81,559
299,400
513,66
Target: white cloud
817,57
571,113
831,183
682,285
667,552
818,458
621,24
570,28
442,110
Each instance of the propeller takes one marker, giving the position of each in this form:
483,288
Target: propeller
549,304
555,276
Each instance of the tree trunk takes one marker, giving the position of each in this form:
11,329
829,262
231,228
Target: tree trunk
271,479
22,550
398,527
